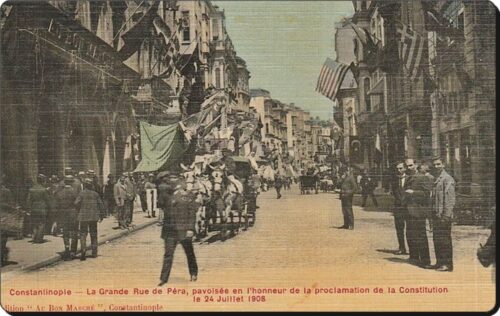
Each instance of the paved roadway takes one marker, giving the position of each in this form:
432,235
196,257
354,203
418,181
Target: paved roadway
295,243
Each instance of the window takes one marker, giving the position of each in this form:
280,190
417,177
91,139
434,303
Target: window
186,30
368,105
217,78
215,29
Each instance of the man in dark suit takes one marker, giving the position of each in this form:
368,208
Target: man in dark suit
400,211
347,190
65,205
39,205
417,198
178,227
90,211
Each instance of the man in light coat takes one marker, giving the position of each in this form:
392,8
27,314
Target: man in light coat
443,202
120,194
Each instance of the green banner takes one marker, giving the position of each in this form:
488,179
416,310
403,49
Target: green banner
161,147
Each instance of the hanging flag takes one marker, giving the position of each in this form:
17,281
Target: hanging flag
134,36
330,78
411,46
127,153
106,162
378,149
365,38
171,60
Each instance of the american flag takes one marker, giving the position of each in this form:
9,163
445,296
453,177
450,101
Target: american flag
411,46
330,78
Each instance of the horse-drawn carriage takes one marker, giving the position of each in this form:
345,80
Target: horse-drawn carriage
232,201
308,183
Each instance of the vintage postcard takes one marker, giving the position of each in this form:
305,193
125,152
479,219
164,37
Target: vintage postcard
203,155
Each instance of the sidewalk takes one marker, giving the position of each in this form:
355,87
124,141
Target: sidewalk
24,255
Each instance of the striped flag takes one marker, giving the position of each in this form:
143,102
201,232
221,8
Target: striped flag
330,78
411,46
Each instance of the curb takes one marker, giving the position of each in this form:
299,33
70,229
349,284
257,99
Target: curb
55,258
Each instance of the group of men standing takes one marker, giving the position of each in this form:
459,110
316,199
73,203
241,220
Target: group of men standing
420,196
78,207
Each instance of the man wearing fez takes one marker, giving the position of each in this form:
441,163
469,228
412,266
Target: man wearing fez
90,211
39,205
417,198
67,217
178,227
443,202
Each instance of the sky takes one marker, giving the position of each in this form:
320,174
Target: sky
285,43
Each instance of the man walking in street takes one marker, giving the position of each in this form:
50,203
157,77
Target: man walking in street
165,192
39,206
65,205
90,211
278,183
347,190
368,185
417,197
443,202
178,227
400,211
120,195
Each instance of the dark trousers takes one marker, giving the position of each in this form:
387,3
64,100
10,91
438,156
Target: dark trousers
129,211
4,250
417,239
144,204
278,191
70,235
168,257
365,197
85,228
346,201
400,223
121,215
38,227
442,242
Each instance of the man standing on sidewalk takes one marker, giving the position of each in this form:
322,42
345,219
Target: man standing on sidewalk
443,202
347,190
90,211
151,196
400,211
39,205
65,204
178,227
130,187
120,194
368,185
417,197
109,195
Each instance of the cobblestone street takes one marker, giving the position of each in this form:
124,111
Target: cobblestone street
294,242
